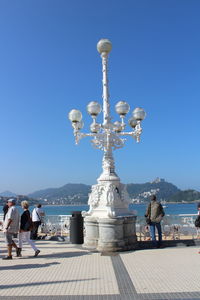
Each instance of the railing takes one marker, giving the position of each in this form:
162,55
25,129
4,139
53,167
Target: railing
1,217
56,225
173,226
52,225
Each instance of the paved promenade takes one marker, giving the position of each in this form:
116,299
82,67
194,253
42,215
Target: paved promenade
63,271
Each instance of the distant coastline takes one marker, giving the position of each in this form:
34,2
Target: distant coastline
77,194
132,203
169,208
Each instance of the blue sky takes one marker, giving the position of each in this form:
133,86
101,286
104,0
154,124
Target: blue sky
49,64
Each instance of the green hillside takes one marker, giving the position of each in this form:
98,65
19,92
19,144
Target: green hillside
188,196
164,190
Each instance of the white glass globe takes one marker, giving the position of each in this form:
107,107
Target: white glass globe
117,126
93,108
80,124
75,115
132,122
139,114
95,127
122,108
104,45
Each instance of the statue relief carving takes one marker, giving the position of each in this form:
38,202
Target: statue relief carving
95,195
112,195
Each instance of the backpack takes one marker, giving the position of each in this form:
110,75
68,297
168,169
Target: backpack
197,222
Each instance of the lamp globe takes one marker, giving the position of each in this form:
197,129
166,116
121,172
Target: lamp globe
139,114
93,108
122,108
75,115
132,122
104,45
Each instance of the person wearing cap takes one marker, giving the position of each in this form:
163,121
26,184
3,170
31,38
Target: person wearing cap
154,215
11,227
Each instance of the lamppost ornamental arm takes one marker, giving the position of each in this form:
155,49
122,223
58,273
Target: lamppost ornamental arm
109,223
108,135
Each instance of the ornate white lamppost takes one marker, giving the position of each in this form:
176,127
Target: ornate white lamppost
109,224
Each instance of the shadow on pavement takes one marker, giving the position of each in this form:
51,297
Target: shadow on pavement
65,254
57,255
11,286
29,266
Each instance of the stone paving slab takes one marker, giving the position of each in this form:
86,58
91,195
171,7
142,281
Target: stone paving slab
58,270
67,272
166,270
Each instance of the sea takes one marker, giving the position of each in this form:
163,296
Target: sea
139,209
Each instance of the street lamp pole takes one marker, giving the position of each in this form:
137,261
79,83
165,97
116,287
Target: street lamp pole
109,224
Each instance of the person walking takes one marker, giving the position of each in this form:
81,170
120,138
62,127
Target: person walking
154,215
25,230
5,210
197,222
37,215
11,227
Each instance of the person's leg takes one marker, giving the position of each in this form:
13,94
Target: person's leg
153,234
34,231
20,239
37,226
14,244
19,249
158,226
31,243
10,250
8,238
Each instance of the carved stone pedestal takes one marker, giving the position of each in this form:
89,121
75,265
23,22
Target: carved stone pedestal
110,234
109,224
91,232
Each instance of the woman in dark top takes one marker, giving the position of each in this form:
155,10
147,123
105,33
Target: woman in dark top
25,230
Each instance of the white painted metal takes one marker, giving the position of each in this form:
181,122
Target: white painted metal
108,198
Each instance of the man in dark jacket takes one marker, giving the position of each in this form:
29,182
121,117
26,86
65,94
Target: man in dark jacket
154,215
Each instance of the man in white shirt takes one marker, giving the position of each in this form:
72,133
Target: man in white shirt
11,226
37,215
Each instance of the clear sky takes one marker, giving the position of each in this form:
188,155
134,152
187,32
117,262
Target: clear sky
49,64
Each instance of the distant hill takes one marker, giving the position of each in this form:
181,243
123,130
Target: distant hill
18,199
7,194
78,193
164,190
73,193
69,193
187,195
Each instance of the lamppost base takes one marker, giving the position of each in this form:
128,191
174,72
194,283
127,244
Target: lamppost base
110,234
92,233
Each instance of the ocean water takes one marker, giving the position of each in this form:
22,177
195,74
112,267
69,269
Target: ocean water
170,209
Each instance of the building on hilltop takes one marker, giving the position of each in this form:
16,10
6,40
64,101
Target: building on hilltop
158,180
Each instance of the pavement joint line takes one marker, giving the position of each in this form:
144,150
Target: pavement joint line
97,297
125,285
